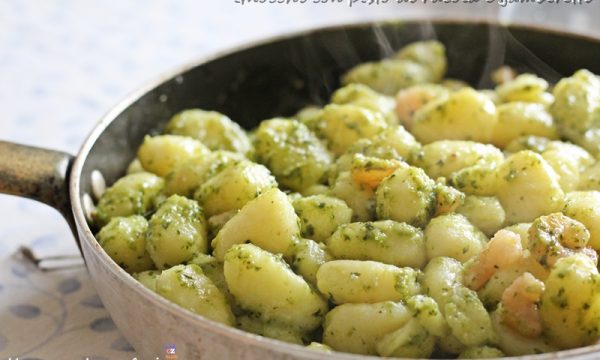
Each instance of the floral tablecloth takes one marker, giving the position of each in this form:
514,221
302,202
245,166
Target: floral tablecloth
64,63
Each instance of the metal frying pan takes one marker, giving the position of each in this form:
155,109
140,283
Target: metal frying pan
256,82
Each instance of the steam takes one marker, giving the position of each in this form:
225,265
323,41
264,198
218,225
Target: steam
496,55
501,41
530,60
383,41
502,47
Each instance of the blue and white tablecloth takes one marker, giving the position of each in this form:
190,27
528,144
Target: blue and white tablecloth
64,63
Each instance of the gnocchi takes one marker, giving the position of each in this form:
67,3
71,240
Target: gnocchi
176,232
124,239
280,237
293,153
411,216
321,215
387,241
134,194
188,287
233,187
252,274
161,154
213,129
366,281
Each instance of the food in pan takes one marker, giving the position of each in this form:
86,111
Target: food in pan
413,216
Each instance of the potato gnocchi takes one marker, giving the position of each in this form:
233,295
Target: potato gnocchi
413,216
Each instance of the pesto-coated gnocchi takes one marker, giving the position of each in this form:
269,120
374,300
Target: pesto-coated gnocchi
342,125
213,129
422,62
516,119
280,237
463,115
584,206
528,187
430,53
577,108
534,143
398,138
188,287
410,216
407,195
354,281
161,154
485,212
481,352
135,166
266,286
176,232
525,88
410,341
320,215
357,328
389,76
271,329
452,235
188,176
364,96
476,180
133,194
309,257
446,157
589,179
293,153
439,276
235,185
124,239
565,167
387,241
467,318
147,278
426,310
213,269
569,308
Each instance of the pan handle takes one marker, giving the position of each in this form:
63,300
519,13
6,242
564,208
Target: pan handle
38,174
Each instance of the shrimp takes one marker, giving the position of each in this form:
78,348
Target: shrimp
409,100
501,252
556,236
369,172
372,177
520,304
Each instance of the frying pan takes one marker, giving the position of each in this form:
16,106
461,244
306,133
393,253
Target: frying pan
250,84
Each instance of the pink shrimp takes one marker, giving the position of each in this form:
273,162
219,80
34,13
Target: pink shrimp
502,251
520,304
413,98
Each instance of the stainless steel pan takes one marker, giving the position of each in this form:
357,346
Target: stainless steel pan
250,84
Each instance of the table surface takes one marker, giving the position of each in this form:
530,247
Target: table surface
63,64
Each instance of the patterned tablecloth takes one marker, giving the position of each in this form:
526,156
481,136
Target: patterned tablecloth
65,63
